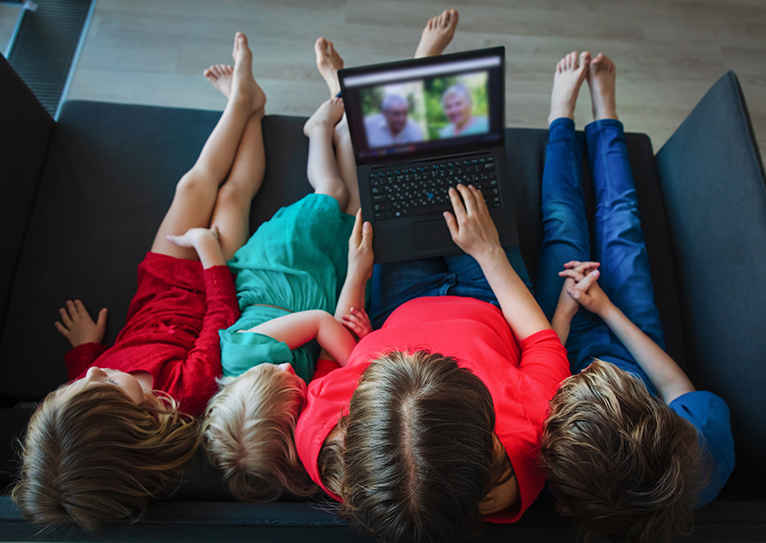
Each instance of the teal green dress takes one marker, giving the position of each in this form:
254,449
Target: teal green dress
296,261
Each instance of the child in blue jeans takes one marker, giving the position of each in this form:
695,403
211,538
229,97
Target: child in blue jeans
630,447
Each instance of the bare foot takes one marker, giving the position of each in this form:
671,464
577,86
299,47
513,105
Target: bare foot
601,78
325,117
220,75
328,64
243,85
437,34
570,73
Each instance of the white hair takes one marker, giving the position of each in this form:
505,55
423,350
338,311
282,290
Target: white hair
393,100
457,90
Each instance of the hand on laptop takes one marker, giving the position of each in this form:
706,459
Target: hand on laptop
471,226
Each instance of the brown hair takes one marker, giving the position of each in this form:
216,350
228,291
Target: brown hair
95,456
249,431
620,461
418,454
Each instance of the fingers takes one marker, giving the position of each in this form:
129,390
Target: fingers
358,322
102,315
578,264
469,198
457,205
366,233
62,329
586,283
356,232
573,274
451,224
67,313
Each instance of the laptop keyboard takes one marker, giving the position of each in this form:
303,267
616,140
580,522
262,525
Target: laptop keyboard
422,190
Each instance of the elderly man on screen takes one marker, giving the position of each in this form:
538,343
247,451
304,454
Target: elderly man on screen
392,127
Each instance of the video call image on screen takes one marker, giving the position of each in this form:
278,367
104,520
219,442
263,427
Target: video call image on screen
436,108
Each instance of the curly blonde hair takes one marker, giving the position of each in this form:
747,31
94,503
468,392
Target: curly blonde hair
249,434
620,461
95,456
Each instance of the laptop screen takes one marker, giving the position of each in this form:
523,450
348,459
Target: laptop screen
426,107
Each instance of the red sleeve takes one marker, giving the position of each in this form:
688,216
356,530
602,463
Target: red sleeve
544,359
81,358
324,367
203,364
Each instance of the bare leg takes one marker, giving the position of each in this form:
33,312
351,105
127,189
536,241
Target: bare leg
344,157
437,34
197,190
231,214
322,169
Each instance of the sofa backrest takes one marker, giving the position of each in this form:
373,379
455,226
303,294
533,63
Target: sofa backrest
713,181
25,130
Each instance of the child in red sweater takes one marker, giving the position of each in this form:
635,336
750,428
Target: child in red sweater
99,448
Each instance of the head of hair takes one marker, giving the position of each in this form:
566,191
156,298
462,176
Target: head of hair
249,434
459,91
619,460
95,456
418,449
391,101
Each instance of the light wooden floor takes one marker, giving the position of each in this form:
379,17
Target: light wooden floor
668,52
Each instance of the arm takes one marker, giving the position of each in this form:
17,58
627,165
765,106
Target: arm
299,328
83,334
665,374
205,242
350,308
568,306
474,232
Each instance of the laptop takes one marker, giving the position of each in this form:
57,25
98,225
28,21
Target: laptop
419,127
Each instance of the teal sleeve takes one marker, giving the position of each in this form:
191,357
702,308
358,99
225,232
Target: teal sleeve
240,352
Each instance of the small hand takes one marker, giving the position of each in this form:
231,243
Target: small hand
360,254
193,236
588,293
471,226
358,322
581,269
78,327
567,306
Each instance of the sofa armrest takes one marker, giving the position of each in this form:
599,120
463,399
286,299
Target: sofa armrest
713,182
25,130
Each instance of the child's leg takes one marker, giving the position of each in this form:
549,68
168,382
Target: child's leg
619,240
322,169
565,227
197,190
231,214
344,157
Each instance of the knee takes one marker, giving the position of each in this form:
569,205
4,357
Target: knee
192,183
233,194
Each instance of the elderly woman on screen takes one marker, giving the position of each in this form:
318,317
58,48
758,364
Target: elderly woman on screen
458,105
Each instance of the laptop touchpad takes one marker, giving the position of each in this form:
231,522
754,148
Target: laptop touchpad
431,235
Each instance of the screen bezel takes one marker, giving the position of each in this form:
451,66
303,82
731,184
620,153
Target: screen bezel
460,145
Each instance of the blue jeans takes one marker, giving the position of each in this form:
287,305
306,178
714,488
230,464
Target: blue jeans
618,241
459,275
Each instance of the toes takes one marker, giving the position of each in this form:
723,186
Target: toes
320,44
207,73
584,59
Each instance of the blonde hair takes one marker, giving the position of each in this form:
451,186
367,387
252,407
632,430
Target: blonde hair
620,461
95,456
249,433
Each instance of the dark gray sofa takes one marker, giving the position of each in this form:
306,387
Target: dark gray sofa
82,198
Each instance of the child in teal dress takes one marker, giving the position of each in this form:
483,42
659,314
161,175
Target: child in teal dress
301,288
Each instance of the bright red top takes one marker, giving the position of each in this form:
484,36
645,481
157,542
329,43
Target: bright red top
171,331
521,377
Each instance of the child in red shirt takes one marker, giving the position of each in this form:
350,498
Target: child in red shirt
99,448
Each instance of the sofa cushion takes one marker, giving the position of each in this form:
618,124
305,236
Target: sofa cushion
25,130
713,181
108,181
